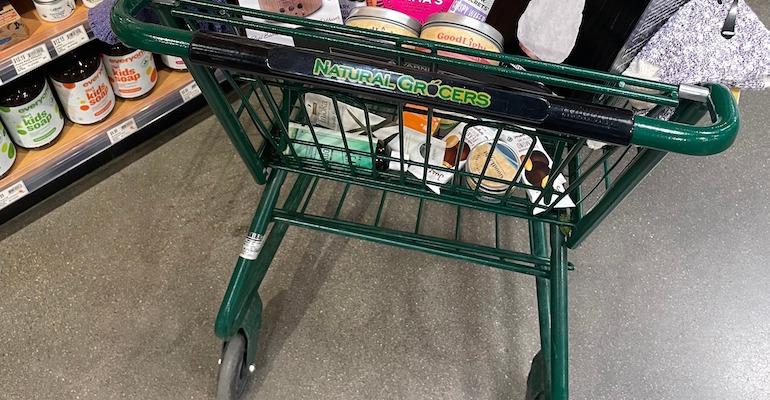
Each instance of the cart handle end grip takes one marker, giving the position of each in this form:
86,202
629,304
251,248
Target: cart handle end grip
691,139
142,35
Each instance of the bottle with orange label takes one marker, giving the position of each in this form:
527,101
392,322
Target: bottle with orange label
82,86
132,72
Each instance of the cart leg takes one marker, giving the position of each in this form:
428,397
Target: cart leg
559,338
241,308
539,247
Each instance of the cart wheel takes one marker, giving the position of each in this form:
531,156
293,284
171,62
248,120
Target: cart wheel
233,371
536,378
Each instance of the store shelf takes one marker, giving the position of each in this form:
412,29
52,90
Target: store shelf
46,42
78,143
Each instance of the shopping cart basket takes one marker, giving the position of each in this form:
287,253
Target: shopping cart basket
380,77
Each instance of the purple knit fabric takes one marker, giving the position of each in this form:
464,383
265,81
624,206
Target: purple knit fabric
689,48
99,19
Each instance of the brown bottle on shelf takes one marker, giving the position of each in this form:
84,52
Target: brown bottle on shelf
82,86
132,72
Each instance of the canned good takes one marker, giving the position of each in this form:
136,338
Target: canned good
54,10
463,31
502,166
384,20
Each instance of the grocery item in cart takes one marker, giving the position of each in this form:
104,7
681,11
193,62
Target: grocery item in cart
537,167
54,10
320,10
81,83
548,29
476,9
29,111
321,112
501,165
329,147
384,20
421,10
463,31
131,72
7,152
348,6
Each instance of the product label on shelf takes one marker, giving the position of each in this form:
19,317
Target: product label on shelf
70,40
189,92
89,100
122,130
36,123
30,59
131,75
7,152
12,193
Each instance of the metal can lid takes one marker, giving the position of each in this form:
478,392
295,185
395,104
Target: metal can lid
502,165
387,14
468,22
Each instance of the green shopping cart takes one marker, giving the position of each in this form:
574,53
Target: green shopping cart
593,154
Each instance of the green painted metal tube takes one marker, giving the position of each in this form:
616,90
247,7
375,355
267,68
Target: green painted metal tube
379,236
689,139
559,319
248,274
539,247
152,37
624,185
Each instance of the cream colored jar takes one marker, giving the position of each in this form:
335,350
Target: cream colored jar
384,20
463,31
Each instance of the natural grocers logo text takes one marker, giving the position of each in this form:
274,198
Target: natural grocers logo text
404,83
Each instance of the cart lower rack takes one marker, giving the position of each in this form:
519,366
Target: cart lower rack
341,106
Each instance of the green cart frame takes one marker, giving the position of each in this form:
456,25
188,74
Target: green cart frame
386,75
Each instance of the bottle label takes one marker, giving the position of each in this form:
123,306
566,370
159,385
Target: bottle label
131,75
173,62
36,123
56,11
7,152
88,101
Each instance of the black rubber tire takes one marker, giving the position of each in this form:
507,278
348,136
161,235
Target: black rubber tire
536,378
233,371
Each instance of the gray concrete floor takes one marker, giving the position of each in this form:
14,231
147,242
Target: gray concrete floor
109,290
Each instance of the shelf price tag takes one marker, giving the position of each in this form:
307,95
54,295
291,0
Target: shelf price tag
30,59
122,130
189,92
12,193
70,40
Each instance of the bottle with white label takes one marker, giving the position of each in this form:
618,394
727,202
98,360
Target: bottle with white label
82,86
173,62
29,110
132,72
54,10
91,3
7,152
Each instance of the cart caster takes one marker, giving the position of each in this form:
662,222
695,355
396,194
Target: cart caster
233,371
536,378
